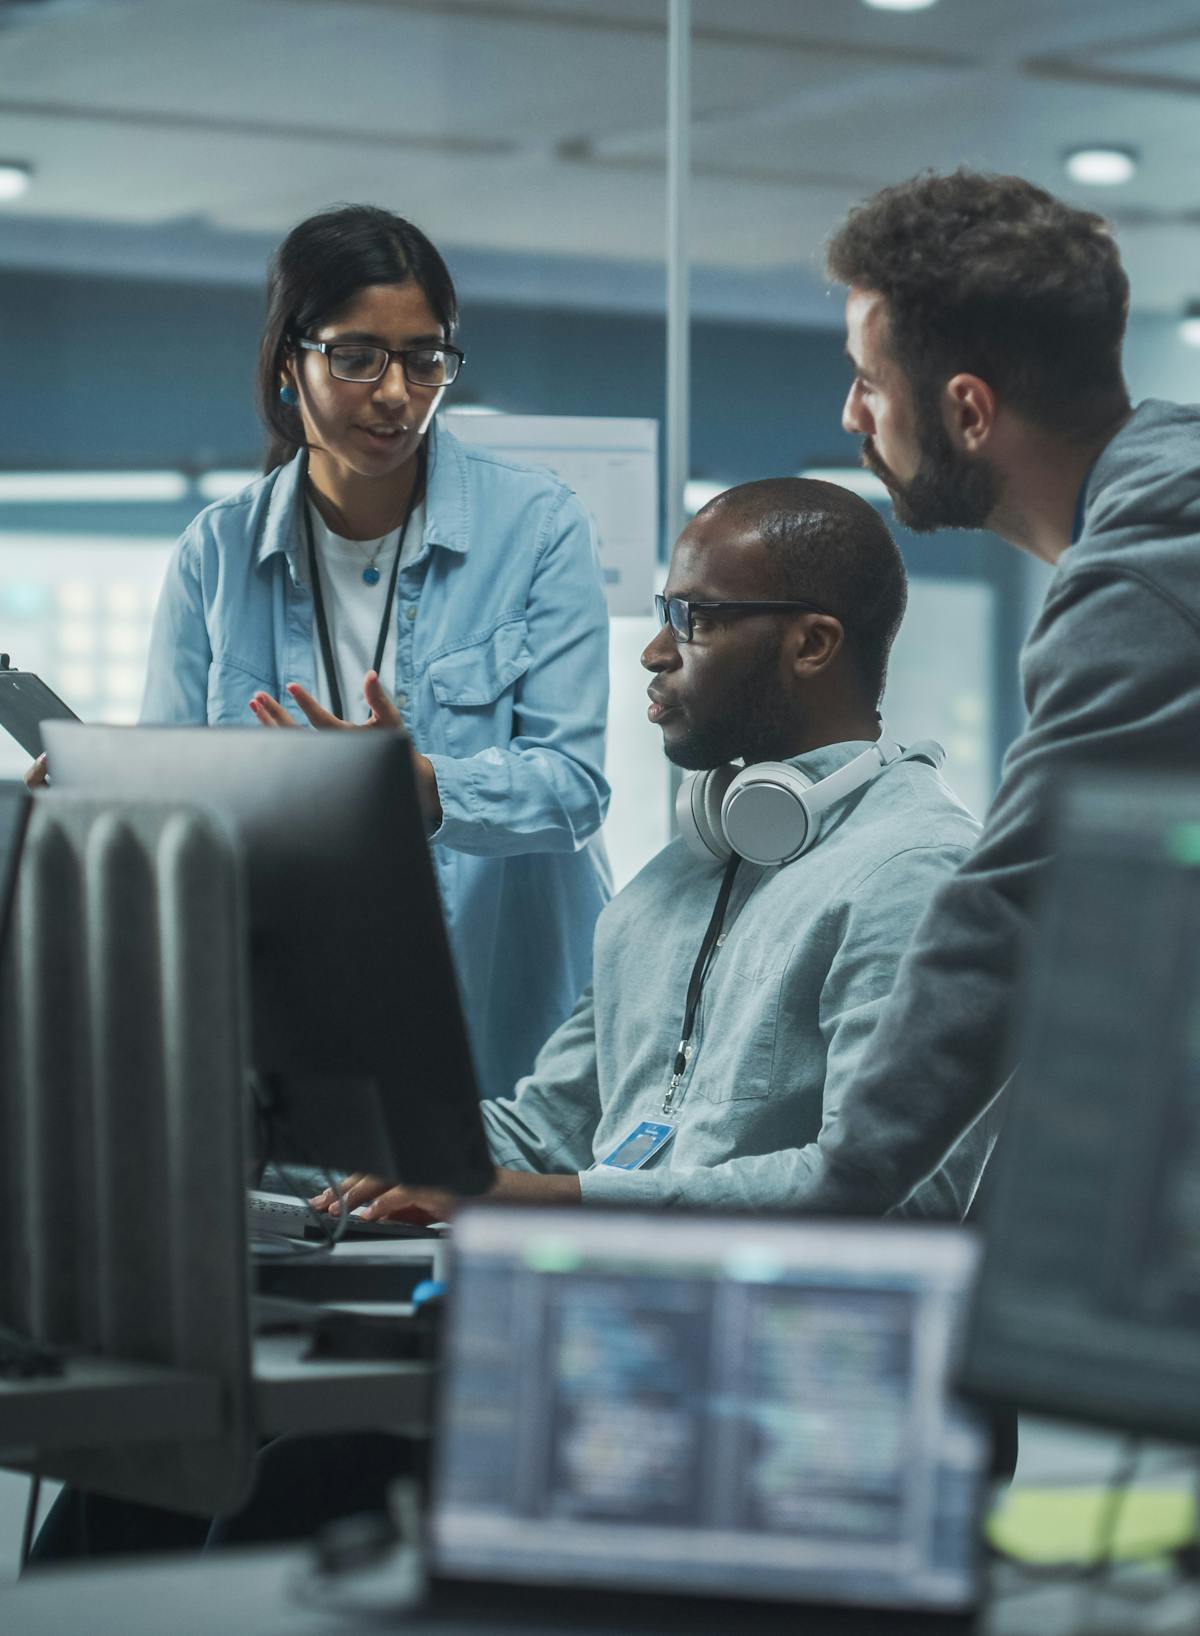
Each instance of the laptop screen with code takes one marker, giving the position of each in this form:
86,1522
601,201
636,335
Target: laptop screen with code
709,1405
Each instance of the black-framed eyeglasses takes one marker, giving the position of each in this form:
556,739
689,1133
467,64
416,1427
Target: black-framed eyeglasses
677,611
356,361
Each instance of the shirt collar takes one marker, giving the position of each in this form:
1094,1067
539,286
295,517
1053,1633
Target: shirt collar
281,531
818,764
447,507
446,501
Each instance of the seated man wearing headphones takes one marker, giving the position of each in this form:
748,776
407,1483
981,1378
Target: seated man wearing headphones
738,977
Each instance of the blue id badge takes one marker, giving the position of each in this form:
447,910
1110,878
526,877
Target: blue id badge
642,1143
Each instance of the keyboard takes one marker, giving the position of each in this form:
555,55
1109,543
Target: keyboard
279,1213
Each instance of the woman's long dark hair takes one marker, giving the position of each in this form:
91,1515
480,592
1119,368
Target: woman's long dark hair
320,267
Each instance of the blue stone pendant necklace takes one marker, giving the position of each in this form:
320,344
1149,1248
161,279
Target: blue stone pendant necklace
371,574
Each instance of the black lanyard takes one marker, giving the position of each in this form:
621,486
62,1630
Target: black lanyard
697,980
335,692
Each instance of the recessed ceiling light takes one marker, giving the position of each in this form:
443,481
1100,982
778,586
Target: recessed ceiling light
1189,325
15,177
900,5
1101,167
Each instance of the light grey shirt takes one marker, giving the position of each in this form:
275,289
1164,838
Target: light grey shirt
805,962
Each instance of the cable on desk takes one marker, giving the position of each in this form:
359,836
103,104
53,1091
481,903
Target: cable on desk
322,1218
268,1121
1034,1575
1097,1570
282,1247
367,1565
1116,1492
1187,1555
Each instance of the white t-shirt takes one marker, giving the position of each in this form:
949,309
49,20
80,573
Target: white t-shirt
354,609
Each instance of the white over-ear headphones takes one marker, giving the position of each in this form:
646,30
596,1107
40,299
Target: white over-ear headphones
770,812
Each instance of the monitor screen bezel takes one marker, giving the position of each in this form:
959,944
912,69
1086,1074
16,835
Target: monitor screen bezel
650,1224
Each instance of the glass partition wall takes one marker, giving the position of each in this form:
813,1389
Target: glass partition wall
178,145
632,198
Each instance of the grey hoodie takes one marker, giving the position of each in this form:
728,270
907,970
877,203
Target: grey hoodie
1111,672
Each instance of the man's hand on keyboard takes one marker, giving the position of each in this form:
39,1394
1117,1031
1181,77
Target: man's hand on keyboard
384,1202
378,1200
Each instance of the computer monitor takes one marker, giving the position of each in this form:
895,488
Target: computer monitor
1088,1304
651,1401
359,1046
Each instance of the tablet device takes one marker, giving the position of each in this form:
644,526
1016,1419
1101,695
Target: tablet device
25,703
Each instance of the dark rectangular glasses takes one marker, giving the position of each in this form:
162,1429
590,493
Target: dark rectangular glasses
357,361
677,611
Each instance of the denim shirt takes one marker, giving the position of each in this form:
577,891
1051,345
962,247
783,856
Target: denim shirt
502,680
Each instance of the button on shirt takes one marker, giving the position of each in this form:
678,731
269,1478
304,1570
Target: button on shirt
503,663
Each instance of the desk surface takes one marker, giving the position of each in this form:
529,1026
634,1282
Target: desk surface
93,1396
101,1401
97,1402
268,1594
336,1395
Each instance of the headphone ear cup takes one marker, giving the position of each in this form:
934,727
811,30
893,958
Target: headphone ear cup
765,816
698,813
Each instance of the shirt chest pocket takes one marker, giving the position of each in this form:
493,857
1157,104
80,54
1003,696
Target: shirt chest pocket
742,1012
231,681
474,686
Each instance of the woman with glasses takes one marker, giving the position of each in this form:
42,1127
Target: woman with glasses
382,572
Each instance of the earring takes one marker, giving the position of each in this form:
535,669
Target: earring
288,395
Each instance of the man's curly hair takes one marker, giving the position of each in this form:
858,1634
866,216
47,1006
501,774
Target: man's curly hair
994,277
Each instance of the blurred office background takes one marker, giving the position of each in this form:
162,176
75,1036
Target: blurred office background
156,150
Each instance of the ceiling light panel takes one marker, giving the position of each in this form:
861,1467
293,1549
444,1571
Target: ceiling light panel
1100,166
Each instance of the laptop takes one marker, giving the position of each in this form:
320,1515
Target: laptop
644,1413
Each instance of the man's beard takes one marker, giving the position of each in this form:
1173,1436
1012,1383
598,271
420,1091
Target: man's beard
754,722
947,490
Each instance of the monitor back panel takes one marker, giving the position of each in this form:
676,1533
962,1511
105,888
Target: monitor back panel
1089,1295
356,1010
707,1405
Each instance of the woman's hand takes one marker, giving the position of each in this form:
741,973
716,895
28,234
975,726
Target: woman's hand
36,774
384,713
